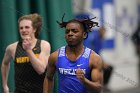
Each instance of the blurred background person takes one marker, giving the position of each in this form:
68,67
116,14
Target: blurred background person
120,19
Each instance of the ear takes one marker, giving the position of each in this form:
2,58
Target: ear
84,35
34,29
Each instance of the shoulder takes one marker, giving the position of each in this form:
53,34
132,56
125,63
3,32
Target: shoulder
45,45
94,56
12,46
95,60
53,57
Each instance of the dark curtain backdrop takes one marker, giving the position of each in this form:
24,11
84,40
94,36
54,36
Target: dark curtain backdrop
50,10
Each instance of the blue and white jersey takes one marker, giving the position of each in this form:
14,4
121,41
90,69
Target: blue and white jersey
67,80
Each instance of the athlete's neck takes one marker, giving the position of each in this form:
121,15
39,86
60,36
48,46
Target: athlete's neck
75,49
73,53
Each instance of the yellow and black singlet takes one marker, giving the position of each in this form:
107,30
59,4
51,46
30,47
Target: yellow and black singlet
27,80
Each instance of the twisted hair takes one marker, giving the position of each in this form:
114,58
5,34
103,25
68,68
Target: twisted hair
86,22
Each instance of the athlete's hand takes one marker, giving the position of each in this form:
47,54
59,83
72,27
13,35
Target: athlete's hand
80,75
27,43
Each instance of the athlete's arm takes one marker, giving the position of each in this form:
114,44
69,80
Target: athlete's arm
6,66
49,79
96,74
40,63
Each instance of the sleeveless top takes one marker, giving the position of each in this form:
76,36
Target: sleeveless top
67,80
27,80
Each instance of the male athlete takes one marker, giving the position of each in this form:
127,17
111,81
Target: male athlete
30,57
79,68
